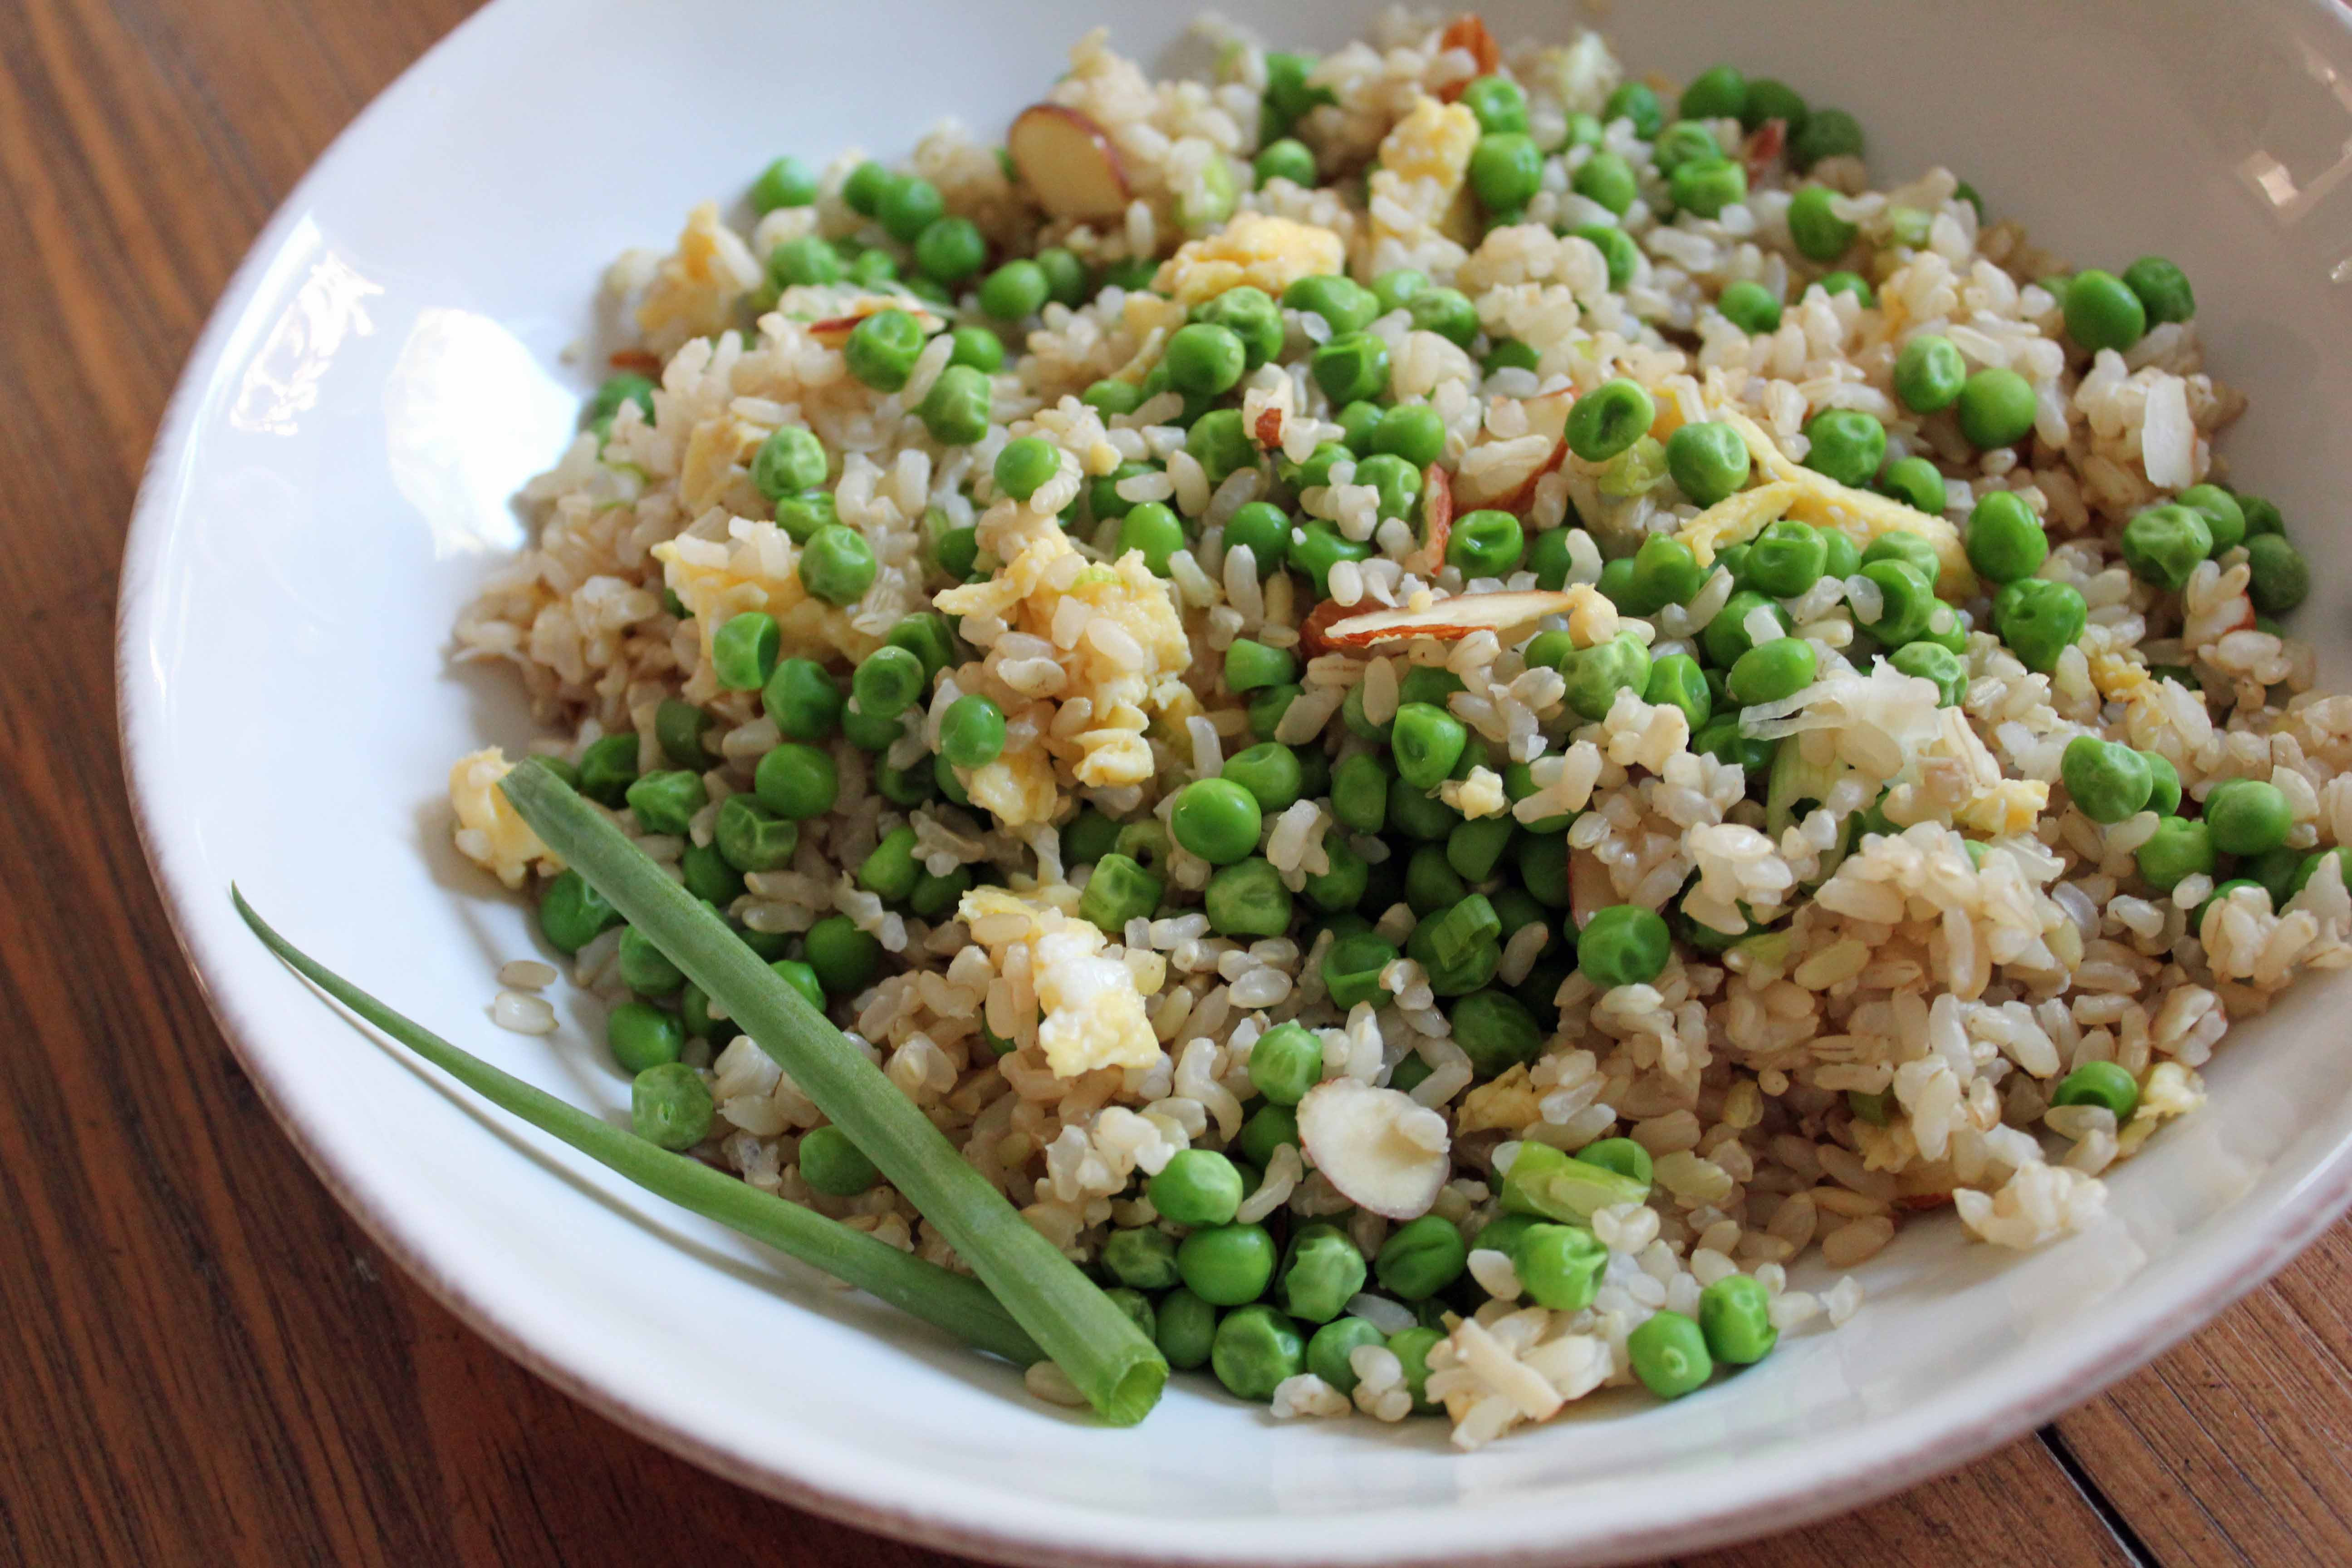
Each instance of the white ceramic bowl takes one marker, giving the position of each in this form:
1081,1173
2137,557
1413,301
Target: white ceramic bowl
332,481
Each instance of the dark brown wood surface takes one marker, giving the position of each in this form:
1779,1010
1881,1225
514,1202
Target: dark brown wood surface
202,1361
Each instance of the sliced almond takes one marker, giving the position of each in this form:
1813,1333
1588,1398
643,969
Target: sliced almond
1067,162
1437,516
1468,31
1362,1139
834,331
1589,890
1449,620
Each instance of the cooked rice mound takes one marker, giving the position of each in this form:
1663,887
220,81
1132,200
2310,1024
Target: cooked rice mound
1859,1022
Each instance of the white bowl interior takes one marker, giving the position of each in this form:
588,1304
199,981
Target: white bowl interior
390,366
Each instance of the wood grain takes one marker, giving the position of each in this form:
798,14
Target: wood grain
205,1361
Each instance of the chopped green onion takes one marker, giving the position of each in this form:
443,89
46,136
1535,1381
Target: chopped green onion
940,1296
1094,1341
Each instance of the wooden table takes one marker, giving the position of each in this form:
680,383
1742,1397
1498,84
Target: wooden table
205,1361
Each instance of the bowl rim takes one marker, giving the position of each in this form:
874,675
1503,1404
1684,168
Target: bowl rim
1930,1438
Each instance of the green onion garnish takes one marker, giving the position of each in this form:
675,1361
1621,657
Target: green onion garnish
940,1296
1097,1345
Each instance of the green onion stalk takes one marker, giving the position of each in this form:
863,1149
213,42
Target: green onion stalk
945,1300
1097,1345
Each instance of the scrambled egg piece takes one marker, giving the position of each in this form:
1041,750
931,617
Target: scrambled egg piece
1255,248
1094,1013
1736,519
1424,170
1507,1102
751,570
490,832
694,292
1131,606
1862,516
718,456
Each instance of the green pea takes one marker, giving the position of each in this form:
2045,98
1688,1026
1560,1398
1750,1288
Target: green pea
2004,538
1398,482
1558,1264
1357,422
882,349
1709,461
1251,666
1267,707
1227,1264
2099,1083
1360,793
1917,482
1820,235
797,782
1025,465
1118,891
1617,249
1676,681
1430,882
956,410
667,801
709,876
2163,544
1506,169
786,183
808,261
1141,1258
1549,560
1345,305
1609,420
863,188
752,837
1847,444
1835,283
1933,662
1995,409
1495,1032
1623,944
2162,289
1087,838
1265,529
837,564
2179,848
1287,1061
1825,134
1184,1327
1620,1155
2279,577
1682,142
1205,359
678,729
834,1165
846,959
1786,559
1152,529
887,683
1607,179
2225,520
800,516
935,896
803,700
1248,900
1329,1348
641,1035
1772,670
1706,186
1350,366
872,269
1251,316
1197,1186
1351,968
890,868
1669,1352
1912,550
1725,637
1717,94
1133,275
1420,1258
1906,602
1216,819
1014,291
670,1106
949,250
1285,159
2039,619
607,767
1323,1273
1596,675
2310,868
1220,444
908,206
1636,102
2164,791
1485,543
743,650
1344,886
2101,311
2247,816
1751,308
1499,104
1412,432
1254,1349
1411,1348
2108,780
1735,1317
